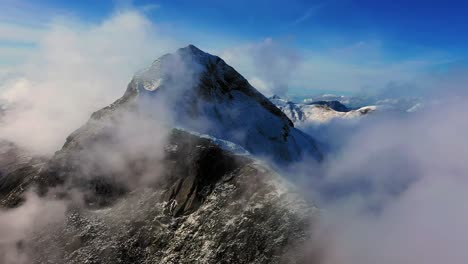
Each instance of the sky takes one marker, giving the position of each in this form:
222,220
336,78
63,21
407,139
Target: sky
336,46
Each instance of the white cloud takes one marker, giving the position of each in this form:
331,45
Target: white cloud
20,33
269,63
78,68
394,191
351,68
19,224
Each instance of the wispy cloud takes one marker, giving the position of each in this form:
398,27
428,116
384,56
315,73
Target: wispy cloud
17,33
82,67
309,13
27,13
150,7
346,68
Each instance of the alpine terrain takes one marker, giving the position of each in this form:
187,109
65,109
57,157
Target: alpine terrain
168,174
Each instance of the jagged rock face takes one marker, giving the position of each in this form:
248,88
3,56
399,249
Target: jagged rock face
206,95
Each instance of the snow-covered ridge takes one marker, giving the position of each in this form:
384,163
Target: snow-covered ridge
320,111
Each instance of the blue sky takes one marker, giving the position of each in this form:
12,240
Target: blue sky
363,35
407,26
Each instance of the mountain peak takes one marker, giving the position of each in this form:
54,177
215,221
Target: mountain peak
191,52
205,95
191,48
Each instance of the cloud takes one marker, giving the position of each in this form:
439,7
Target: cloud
393,191
77,69
19,33
270,64
349,68
311,11
18,225
150,7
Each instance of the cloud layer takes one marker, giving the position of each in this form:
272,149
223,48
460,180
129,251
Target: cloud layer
394,193
77,69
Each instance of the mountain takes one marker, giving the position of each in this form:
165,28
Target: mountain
207,206
318,111
206,95
352,102
138,191
335,105
388,104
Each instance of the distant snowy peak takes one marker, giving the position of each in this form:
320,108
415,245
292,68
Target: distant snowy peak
319,111
205,95
335,105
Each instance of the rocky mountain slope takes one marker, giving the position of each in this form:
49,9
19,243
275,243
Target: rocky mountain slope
136,191
207,206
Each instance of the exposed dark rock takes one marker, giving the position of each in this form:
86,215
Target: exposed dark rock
335,105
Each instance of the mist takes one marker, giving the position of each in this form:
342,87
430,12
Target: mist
269,64
17,226
77,69
393,186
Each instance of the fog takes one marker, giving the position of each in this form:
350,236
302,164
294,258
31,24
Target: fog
77,69
393,188
17,226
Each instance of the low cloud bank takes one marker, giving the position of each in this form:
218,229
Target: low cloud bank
77,69
394,190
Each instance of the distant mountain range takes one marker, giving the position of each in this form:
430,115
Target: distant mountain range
319,111
399,104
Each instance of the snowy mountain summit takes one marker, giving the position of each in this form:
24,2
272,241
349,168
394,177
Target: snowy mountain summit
201,93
